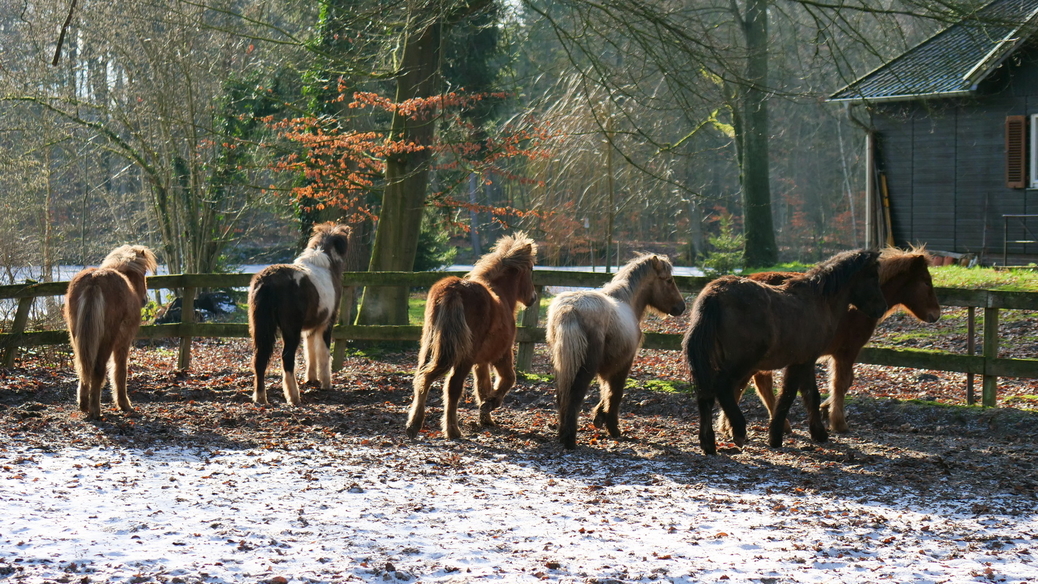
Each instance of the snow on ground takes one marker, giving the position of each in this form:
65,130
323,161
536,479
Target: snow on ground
433,512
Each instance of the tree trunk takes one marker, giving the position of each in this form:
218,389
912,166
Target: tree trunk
756,190
407,175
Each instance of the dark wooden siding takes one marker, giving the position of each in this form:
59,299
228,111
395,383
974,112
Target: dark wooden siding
896,152
933,180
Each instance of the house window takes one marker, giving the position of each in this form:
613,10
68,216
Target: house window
1016,152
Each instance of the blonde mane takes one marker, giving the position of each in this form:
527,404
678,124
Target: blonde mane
131,259
511,251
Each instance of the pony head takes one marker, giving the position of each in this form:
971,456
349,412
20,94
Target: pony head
331,238
650,276
512,258
135,259
906,275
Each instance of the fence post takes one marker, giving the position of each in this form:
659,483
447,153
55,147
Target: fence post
345,317
187,318
531,314
21,317
990,383
971,350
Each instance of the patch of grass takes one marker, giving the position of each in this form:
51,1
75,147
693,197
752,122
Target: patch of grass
786,267
661,385
1015,280
534,377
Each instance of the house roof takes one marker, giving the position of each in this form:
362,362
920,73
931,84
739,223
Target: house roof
953,61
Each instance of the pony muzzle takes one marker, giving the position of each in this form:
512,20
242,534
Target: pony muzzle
677,309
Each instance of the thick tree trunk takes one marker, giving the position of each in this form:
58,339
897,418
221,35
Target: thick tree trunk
757,223
407,176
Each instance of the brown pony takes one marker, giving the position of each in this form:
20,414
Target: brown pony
740,326
470,322
301,300
906,283
596,333
103,313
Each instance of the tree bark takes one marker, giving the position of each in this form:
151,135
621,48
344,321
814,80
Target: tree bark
407,176
759,230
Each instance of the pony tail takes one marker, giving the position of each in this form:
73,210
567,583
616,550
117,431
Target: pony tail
89,329
450,336
700,345
569,348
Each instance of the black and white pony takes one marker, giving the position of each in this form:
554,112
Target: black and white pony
302,300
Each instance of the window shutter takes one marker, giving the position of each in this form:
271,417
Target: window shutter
1016,151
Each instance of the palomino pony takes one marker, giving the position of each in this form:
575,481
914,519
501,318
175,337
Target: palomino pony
470,322
300,299
103,313
906,283
596,333
740,326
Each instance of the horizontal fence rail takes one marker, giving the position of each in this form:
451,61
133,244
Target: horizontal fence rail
988,365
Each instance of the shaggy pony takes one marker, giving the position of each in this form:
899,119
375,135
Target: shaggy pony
103,313
301,300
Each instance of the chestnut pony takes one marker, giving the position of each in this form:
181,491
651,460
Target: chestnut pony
103,313
740,326
470,322
596,333
906,283
301,300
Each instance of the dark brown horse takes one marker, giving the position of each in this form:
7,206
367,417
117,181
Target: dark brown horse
740,326
470,322
906,283
300,299
596,333
103,313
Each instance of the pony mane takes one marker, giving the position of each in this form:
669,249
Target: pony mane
511,251
131,258
633,272
894,261
831,274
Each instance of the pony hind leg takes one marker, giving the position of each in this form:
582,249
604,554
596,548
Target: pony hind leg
491,400
288,366
728,401
317,357
570,399
484,394
263,348
453,387
423,379
118,368
811,399
841,376
607,412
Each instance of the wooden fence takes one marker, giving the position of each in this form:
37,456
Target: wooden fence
988,365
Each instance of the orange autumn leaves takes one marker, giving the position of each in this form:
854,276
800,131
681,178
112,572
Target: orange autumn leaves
342,165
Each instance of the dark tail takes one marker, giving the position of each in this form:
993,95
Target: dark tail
263,325
703,353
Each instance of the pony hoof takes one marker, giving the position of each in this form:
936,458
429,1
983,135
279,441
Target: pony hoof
452,433
740,442
412,432
599,421
820,437
487,421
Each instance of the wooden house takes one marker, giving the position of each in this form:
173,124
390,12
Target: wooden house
953,138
